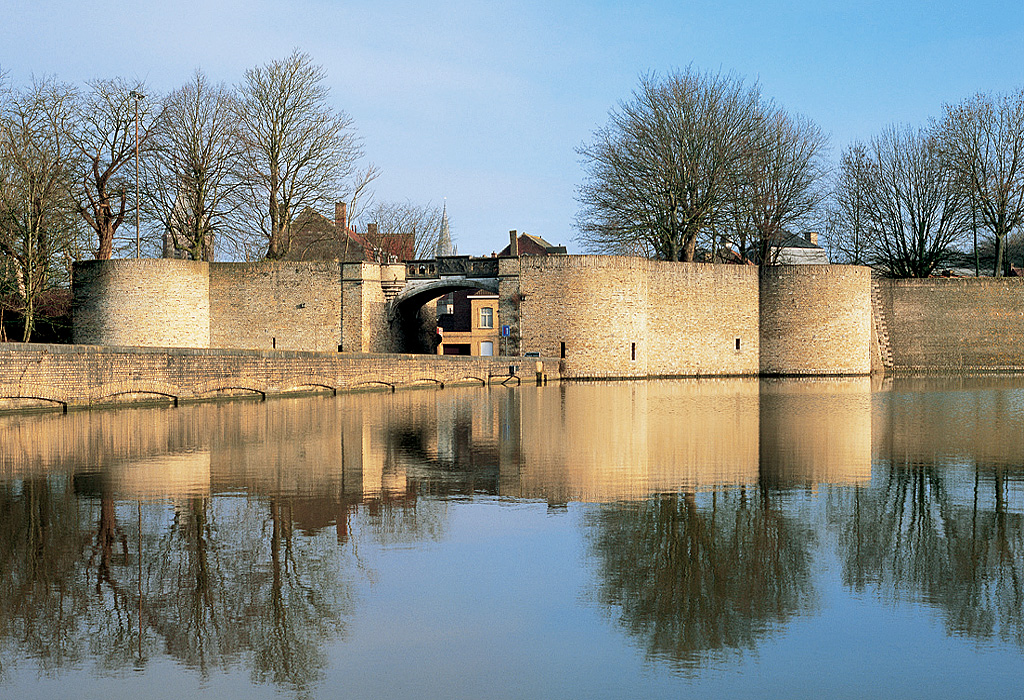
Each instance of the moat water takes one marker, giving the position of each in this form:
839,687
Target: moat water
738,538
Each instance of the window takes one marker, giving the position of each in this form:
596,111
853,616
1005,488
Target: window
563,350
632,352
737,345
486,349
487,317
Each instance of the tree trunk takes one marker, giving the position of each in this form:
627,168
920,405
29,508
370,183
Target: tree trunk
30,318
106,238
689,250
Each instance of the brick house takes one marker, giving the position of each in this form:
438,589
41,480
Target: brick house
315,237
468,324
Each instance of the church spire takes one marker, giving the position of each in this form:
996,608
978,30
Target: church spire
444,239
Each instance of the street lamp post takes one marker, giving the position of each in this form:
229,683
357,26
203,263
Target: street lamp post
136,95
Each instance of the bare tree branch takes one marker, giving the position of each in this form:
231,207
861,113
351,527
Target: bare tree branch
38,221
421,222
191,182
983,139
917,209
298,152
104,137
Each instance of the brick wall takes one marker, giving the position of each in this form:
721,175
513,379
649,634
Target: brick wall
617,317
365,325
815,319
509,303
280,305
632,317
595,305
696,313
146,302
87,374
952,324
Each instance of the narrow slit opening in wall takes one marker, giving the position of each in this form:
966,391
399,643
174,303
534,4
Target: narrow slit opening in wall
563,351
632,352
737,345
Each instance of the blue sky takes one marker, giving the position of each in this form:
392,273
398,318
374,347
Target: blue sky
486,103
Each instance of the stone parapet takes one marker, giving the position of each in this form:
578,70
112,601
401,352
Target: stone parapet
33,375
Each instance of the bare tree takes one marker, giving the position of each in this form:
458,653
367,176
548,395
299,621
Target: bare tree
190,176
918,210
847,218
298,151
983,138
661,173
421,222
104,137
780,184
37,215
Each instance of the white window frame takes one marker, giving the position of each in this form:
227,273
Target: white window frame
486,317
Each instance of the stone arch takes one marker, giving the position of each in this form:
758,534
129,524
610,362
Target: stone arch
416,295
63,405
403,310
112,396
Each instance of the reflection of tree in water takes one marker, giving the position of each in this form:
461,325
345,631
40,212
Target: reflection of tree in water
42,593
230,579
223,581
401,519
920,534
694,576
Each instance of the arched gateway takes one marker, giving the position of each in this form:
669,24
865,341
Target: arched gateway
412,322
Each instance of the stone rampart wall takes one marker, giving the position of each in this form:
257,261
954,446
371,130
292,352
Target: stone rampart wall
268,305
614,316
83,375
632,317
365,325
156,303
815,320
702,319
593,306
955,324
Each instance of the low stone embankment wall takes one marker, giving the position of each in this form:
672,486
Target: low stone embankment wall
86,375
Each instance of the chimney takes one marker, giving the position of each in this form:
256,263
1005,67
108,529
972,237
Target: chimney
341,216
513,244
371,231
811,237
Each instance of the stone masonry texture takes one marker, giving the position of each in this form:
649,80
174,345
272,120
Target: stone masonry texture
815,319
631,317
268,305
612,316
157,303
940,324
84,375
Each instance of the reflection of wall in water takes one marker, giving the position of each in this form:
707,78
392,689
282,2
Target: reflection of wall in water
182,475
607,441
815,431
572,442
975,419
34,444
627,440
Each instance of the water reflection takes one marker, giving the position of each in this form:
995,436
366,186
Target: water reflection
228,535
692,577
942,522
